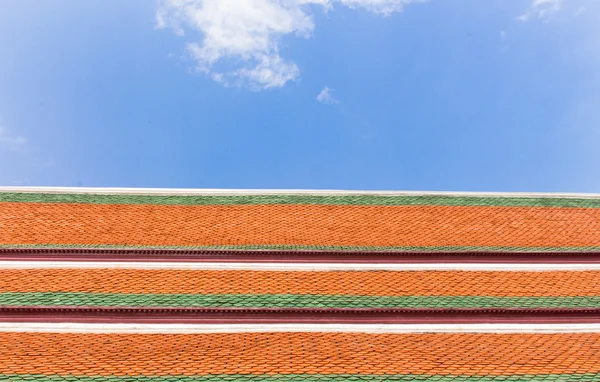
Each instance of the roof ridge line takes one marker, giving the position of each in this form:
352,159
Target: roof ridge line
234,192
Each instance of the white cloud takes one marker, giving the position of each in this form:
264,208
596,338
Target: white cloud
239,41
385,7
12,142
326,96
541,9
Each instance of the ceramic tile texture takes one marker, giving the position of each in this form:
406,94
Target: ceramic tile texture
299,357
299,289
319,221
345,222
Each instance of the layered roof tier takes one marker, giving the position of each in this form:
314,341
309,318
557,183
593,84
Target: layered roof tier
308,220
299,357
213,308
298,289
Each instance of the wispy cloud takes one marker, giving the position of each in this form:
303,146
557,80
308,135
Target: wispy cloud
240,40
326,96
541,9
384,7
11,142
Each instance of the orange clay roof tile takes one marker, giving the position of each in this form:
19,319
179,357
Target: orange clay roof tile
153,355
338,222
272,289
300,222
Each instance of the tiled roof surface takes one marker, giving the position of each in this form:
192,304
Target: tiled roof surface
345,222
72,293
299,357
302,289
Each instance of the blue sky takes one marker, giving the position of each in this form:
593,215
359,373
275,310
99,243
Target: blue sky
465,95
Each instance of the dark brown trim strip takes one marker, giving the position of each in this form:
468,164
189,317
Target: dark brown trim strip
290,256
317,315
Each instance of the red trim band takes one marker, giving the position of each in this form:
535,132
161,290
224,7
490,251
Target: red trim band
283,315
289,256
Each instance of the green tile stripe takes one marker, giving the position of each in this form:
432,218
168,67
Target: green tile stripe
583,377
353,200
289,301
310,248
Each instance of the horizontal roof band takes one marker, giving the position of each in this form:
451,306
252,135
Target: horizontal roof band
304,378
212,315
233,191
149,258
299,227
350,199
169,264
298,285
87,299
442,354
179,328
490,252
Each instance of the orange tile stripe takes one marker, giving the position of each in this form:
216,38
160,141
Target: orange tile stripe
298,353
304,225
367,283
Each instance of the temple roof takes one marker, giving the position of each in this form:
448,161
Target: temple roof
105,285
321,220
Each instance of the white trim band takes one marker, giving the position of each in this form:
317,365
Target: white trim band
269,328
296,266
224,192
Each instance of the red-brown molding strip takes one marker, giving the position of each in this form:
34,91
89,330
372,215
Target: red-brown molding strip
285,315
292,256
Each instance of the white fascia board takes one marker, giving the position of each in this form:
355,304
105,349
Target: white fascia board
291,267
272,328
233,192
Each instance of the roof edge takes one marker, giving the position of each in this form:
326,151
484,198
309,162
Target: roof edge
179,328
234,192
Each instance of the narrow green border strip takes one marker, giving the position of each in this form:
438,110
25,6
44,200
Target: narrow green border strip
584,377
288,300
346,200
306,248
